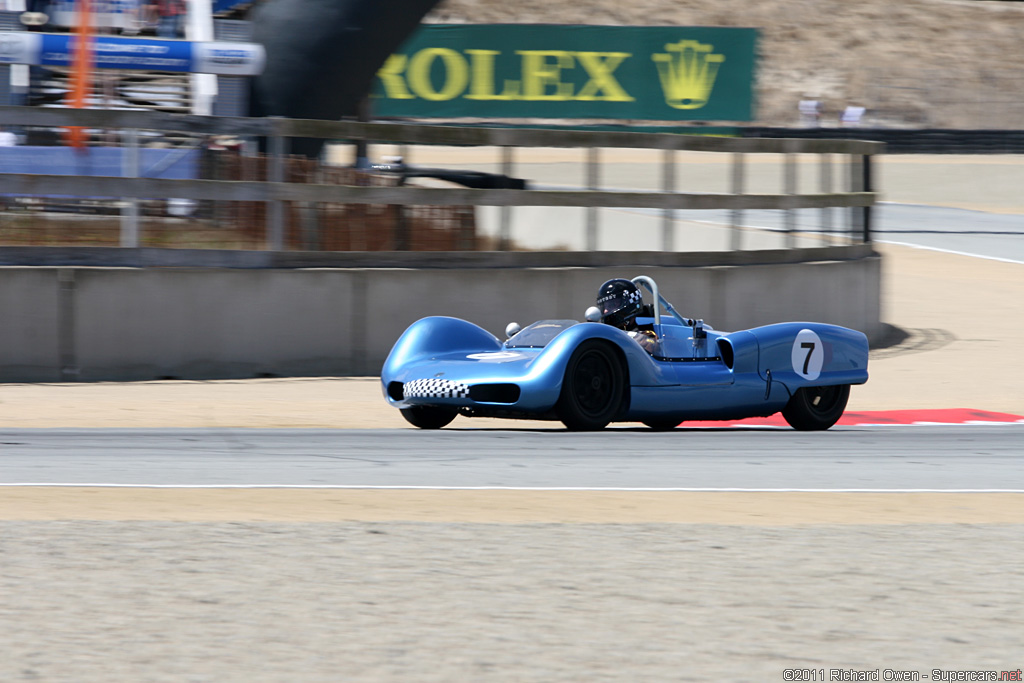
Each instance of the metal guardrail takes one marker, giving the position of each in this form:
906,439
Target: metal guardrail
860,196
911,140
278,191
406,133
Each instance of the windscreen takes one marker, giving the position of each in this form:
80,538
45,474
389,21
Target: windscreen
539,334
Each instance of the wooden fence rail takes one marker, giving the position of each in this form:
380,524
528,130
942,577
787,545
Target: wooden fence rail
860,196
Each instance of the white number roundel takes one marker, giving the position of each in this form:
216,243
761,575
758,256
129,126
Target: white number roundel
807,355
497,356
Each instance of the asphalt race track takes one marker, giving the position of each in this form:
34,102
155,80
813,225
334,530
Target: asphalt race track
508,554
961,231
909,458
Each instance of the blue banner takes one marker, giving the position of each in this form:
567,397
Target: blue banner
111,52
224,5
121,53
99,161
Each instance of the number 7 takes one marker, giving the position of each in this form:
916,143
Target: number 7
810,350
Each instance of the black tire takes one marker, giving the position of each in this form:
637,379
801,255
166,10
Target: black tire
592,388
663,424
428,417
816,408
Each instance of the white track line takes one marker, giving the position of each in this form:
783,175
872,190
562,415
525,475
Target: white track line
818,231
614,489
949,251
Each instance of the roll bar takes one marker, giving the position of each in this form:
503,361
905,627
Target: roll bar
652,287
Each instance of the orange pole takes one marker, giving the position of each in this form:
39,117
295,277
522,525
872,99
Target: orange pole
81,70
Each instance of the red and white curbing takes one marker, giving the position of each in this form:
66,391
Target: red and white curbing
884,418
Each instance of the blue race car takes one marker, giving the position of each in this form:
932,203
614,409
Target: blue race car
627,363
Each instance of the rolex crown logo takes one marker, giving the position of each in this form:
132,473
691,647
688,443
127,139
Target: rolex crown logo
687,73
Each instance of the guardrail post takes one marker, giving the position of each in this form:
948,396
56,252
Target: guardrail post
66,317
130,210
309,214
856,180
668,186
868,187
593,179
826,188
738,182
790,189
275,207
847,182
402,240
362,144
505,213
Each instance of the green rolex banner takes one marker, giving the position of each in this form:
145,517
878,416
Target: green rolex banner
654,73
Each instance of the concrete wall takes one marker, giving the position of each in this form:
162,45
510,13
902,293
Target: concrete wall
30,324
73,323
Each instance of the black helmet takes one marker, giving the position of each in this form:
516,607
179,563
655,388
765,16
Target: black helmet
620,301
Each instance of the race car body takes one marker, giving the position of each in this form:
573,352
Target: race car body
588,374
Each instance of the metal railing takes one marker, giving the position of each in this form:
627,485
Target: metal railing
859,196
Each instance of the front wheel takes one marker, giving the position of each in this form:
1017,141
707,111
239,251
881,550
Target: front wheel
428,417
592,388
816,408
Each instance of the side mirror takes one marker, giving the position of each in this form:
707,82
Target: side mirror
593,314
512,329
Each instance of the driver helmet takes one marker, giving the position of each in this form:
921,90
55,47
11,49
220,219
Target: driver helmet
619,301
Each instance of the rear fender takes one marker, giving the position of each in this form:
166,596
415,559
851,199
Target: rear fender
812,354
739,352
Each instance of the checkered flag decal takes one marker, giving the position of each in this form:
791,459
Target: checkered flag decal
435,388
631,297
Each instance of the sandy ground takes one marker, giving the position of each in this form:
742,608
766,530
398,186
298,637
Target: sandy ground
94,602
932,63
798,508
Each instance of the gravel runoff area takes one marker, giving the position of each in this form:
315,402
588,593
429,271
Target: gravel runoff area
185,585
89,602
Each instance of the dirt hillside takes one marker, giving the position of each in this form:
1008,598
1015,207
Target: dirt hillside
927,63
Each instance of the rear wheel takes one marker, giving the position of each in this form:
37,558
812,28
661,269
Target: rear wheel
428,417
592,388
816,408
